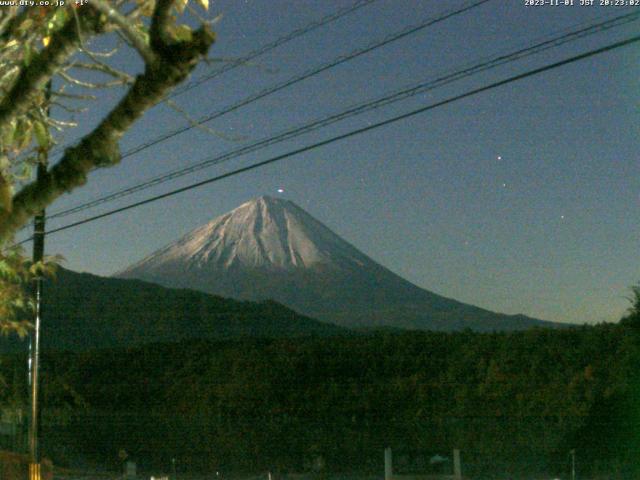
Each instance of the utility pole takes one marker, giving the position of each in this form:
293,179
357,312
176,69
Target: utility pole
388,464
34,344
573,464
34,360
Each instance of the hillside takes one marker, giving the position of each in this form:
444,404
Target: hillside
514,403
87,311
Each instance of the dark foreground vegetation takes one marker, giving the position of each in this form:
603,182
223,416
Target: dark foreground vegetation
514,403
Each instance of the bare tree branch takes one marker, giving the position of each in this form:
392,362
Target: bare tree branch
90,85
11,20
174,60
43,66
68,108
103,68
60,124
93,54
126,28
195,124
73,96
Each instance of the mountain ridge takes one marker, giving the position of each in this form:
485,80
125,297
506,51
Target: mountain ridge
84,311
271,248
281,239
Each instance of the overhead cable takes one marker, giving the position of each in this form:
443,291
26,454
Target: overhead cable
352,133
273,45
244,60
398,95
405,32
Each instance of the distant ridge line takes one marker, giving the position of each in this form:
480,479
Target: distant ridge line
270,248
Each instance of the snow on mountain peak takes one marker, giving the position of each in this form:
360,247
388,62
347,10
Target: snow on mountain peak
269,248
265,232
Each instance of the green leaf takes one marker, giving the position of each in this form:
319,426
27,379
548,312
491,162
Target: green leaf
181,5
25,173
5,268
182,33
8,133
23,134
42,135
146,7
27,53
58,20
26,25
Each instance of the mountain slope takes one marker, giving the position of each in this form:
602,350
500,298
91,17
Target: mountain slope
83,311
271,248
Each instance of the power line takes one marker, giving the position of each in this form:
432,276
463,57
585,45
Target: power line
358,109
352,133
271,46
315,71
310,73
304,76
327,19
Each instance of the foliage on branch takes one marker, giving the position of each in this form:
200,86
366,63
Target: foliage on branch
16,276
633,314
47,73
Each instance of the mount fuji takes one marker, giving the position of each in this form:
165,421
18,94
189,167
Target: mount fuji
270,248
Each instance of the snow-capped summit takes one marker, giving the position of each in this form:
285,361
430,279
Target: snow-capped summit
264,233
270,248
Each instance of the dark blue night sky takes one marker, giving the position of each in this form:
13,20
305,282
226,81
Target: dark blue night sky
523,199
